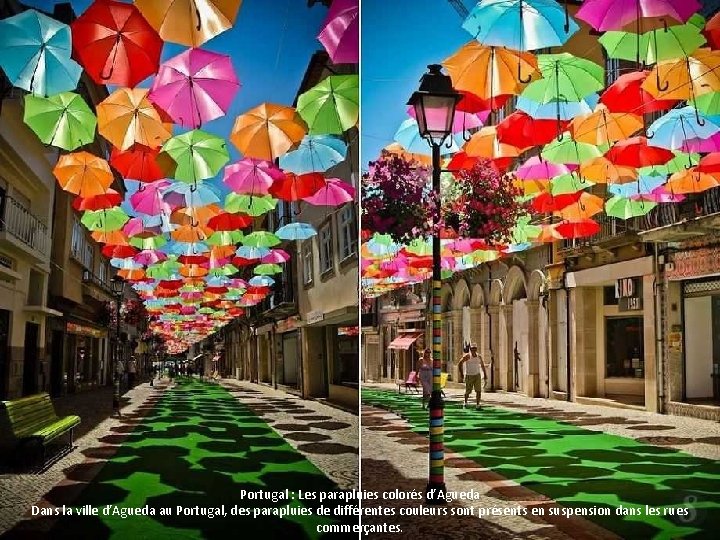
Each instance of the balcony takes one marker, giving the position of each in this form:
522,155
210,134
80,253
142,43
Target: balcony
613,232
23,231
698,215
96,288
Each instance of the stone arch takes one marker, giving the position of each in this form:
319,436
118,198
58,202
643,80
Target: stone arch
496,292
477,296
461,295
515,285
535,284
446,296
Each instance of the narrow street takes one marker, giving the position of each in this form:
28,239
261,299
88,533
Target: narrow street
191,444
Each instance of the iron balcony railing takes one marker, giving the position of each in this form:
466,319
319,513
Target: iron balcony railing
26,227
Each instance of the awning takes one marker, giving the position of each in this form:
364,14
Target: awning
405,341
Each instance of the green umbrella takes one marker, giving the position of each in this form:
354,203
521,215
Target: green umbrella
332,105
63,120
623,208
267,269
224,270
523,231
156,271
680,162
198,155
419,247
708,104
152,242
655,46
224,238
567,150
248,204
111,219
260,239
565,78
568,183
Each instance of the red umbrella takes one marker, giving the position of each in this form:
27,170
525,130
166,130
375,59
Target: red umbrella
577,229
193,259
627,95
137,163
98,202
293,187
709,164
547,202
636,152
115,44
522,130
119,252
172,284
461,161
242,261
229,222
712,31
471,103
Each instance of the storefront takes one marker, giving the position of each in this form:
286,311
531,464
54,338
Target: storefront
86,361
404,350
288,355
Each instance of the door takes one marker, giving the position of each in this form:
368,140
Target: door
57,358
290,360
698,355
520,345
4,350
31,360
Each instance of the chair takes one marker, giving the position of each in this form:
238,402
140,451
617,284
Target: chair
411,383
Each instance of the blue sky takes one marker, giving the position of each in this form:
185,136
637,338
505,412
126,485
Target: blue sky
399,40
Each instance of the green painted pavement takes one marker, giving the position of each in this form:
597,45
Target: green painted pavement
199,447
578,467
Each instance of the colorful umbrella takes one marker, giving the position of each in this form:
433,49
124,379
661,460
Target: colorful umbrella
602,171
691,181
316,153
636,152
332,105
252,176
623,208
643,185
268,131
615,14
712,31
567,150
148,200
565,77
115,44
293,187
535,168
687,78
627,95
195,87
485,143
198,155
189,22
137,163
585,207
111,219
63,120
296,231
568,183
127,117
334,193
340,32
36,54
98,202
408,136
83,174
562,109
249,204
604,127
522,130
265,269
657,45
677,126
577,229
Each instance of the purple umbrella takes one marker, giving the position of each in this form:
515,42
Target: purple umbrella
615,14
711,144
148,199
340,32
149,256
195,87
252,176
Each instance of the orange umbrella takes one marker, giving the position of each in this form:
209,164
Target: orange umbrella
549,234
193,270
113,238
691,181
268,131
685,78
127,117
83,174
131,274
603,171
585,207
531,186
190,215
398,150
191,233
491,71
189,22
604,127
485,144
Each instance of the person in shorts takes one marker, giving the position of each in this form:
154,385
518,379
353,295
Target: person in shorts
475,374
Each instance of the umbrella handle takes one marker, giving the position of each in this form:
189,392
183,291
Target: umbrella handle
199,19
699,119
520,77
298,212
567,18
660,86
649,135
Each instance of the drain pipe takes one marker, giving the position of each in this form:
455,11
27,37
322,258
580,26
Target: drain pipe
659,289
490,331
568,350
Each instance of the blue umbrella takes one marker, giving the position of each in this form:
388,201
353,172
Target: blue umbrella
643,185
36,54
185,248
261,281
408,136
316,153
188,195
568,109
523,25
673,129
296,231
248,252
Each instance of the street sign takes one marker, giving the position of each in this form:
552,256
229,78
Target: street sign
628,291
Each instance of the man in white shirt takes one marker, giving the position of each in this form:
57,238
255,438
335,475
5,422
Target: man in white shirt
475,374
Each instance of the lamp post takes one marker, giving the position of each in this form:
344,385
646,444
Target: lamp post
434,103
118,288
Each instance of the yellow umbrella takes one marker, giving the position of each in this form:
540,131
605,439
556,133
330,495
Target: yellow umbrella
586,207
685,78
127,117
189,22
604,127
398,150
485,144
268,131
691,181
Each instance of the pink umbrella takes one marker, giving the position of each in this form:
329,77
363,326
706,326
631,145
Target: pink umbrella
538,169
660,195
149,256
237,283
463,121
250,175
340,32
334,193
195,87
276,256
711,144
615,14
148,199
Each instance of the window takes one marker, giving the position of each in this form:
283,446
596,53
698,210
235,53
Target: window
326,249
80,248
307,262
347,232
624,347
103,272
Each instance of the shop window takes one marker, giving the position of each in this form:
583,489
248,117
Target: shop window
80,248
326,249
609,296
347,232
307,261
345,365
624,347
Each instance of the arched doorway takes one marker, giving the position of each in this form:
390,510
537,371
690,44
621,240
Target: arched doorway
538,356
517,331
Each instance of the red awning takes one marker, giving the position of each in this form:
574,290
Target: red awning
405,341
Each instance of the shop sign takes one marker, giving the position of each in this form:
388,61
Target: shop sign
315,316
73,328
695,263
628,291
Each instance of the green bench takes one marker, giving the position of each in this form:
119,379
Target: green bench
33,419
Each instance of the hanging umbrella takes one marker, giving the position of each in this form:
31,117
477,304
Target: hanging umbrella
111,219
396,149
36,54
179,194
198,155
151,242
585,207
712,31
148,257
547,202
408,136
149,199
643,185
195,87
485,143
604,127
686,78
569,183
335,192
192,214
691,181
524,25
636,152
265,269
708,104
268,131
488,72
98,202
623,208
627,95
332,105
225,238
276,256
127,117
115,238
189,22
83,174
248,204
191,233
137,163
677,126
63,120
252,176
577,229
229,222
602,171
260,239
261,281
115,44
535,168
316,153
251,252
340,32
463,121
660,195
293,187
522,130
296,231
566,150
668,43
615,14
565,77
119,252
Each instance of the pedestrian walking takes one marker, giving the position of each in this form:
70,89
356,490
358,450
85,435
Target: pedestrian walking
475,374
132,372
425,373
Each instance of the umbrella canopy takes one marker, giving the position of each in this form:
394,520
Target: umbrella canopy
712,31
126,117
111,219
623,208
115,44
686,78
485,143
316,153
332,105
195,87
334,193
604,127
149,199
677,126
249,204
490,71
636,152
260,239
585,207
252,176
562,109
83,174
522,130
296,231
36,54
577,229
198,155
137,163
657,45
691,181
601,170
340,32
536,169
293,187
627,95
565,77
567,150
524,25
98,202
189,22
63,120
408,136
268,131
615,14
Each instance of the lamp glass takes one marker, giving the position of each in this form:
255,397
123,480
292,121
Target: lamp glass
118,285
434,115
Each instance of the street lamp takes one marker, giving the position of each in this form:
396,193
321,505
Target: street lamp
118,288
434,105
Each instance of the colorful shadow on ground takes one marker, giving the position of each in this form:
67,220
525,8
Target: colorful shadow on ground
579,468
199,447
